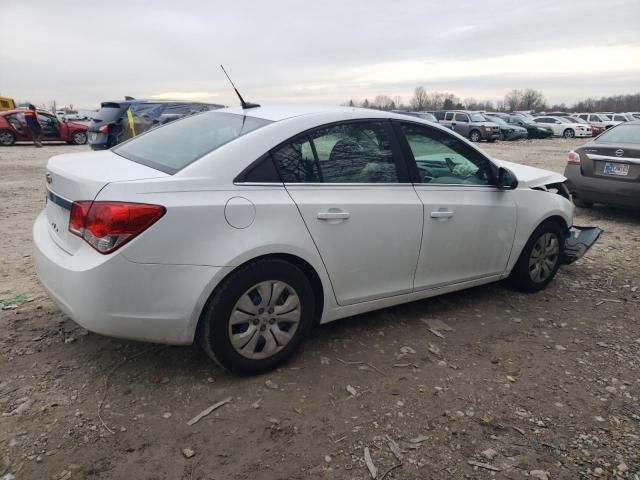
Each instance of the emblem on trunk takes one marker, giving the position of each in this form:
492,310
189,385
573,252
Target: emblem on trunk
619,152
49,178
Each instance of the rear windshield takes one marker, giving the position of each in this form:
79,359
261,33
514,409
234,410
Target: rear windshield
174,146
621,134
107,113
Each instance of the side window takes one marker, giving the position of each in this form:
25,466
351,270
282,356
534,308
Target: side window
16,120
448,116
461,117
354,152
296,162
443,159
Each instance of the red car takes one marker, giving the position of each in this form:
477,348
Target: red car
13,128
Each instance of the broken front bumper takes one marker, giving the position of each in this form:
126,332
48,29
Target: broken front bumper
579,241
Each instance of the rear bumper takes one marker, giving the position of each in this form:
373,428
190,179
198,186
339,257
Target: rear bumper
602,190
579,242
113,296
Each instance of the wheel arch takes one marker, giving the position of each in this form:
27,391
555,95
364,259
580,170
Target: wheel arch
309,271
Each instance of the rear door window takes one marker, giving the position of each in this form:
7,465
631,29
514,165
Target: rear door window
621,134
462,117
353,152
180,143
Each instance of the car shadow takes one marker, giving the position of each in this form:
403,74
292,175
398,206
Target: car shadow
609,213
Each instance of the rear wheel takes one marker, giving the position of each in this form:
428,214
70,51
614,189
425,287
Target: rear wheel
540,258
257,317
569,133
475,136
7,138
79,138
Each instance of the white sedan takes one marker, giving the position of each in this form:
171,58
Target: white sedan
241,229
564,128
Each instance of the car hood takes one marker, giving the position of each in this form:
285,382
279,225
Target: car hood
531,177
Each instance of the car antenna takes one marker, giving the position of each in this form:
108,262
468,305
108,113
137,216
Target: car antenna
244,104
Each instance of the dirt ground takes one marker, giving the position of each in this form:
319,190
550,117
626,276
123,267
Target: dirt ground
532,386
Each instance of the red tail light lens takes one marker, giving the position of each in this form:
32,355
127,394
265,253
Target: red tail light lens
104,129
573,158
106,226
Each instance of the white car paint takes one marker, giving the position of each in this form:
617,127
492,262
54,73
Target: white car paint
401,242
559,126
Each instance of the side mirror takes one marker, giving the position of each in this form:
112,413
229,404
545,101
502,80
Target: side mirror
506,179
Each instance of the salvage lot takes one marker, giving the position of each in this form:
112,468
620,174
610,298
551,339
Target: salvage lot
547,382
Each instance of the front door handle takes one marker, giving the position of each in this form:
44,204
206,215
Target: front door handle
442,214
333,215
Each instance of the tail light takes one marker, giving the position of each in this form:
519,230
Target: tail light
573,158
104,129
107,226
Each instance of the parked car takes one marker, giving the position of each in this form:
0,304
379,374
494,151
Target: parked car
607,169
73,115
13,128
243,228
428,116
118,121
508,131
471,125
622,117
595,129
534,130
563,128
596,119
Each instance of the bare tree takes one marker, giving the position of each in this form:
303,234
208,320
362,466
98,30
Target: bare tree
419,100
513,100
397,100
532,99
382,102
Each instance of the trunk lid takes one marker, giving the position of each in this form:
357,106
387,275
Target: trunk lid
81,176
614,162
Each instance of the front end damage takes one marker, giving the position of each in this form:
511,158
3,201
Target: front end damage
578,239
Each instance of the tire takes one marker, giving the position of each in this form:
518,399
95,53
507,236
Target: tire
79,138
7,138
475,136
241,347
526,277
569,133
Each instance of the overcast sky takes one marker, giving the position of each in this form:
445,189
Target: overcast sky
327,51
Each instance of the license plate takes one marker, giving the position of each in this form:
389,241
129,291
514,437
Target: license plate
619,169
93,137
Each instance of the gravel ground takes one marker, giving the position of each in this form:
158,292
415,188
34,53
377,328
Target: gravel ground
542,386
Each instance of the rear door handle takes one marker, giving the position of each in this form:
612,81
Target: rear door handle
333,215
442,214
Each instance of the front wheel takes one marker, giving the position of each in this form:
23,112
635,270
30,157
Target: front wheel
79,138
569,133
257,317
540,258
7,138
475,136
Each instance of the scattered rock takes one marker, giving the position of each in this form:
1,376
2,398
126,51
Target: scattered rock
271,384
489,453
188,453
166,415
352,391
407,350
560,348
327,458
539,475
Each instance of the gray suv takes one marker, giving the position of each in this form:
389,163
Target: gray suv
472,125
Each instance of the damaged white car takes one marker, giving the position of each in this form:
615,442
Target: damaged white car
242,228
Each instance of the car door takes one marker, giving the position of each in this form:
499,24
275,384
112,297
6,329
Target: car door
19,125
50,126
356,200
469,224
461,124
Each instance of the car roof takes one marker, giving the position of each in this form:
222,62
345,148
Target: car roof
277,113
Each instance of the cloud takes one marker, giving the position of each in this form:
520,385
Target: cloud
194,96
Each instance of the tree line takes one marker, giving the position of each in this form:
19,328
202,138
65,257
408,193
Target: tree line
526,99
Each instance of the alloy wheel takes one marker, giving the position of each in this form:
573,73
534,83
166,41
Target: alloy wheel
6,138
544,257
264,320
79,138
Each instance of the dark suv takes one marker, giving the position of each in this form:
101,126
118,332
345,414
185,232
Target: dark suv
120,120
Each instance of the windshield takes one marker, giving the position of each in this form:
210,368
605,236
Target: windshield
497,120
476,117
107,113
623,133
428,116
172,147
